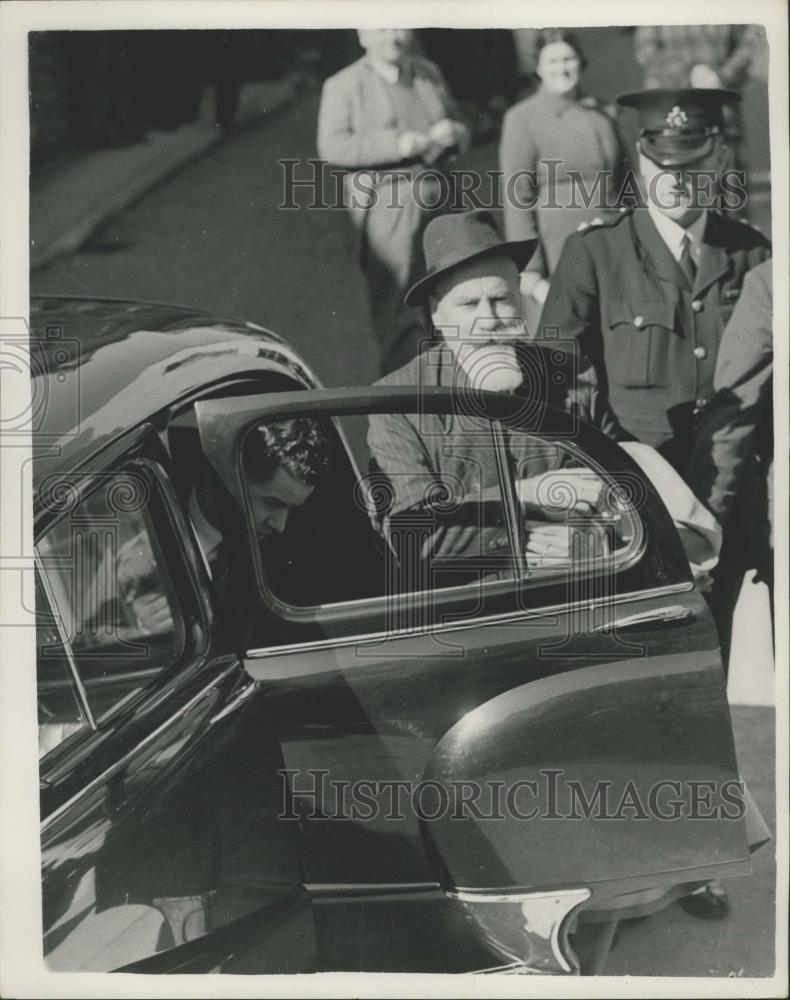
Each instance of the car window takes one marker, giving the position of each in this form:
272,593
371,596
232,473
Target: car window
574,518
111,590
60,710
445,501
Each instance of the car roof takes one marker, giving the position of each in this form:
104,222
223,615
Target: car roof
100,367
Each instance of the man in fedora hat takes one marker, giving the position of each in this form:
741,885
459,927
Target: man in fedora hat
471,292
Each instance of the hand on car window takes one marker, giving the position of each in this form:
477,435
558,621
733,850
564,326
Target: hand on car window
552,545
140,586
558,494
152,613
548,545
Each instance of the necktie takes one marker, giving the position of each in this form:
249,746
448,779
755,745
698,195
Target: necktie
687,265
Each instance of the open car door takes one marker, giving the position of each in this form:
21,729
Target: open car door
557,731
159,767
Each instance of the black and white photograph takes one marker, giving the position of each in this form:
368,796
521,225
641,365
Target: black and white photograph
395,525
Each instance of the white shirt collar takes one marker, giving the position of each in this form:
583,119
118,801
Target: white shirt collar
672,234
387,71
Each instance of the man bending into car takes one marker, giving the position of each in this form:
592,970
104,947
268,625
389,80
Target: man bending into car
283,462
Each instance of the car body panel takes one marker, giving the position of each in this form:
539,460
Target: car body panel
101,367
161,849
146,845
394,709
153,860
641,733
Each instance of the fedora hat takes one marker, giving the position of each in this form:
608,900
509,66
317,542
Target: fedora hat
453,239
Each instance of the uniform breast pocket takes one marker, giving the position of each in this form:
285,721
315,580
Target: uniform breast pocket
639,341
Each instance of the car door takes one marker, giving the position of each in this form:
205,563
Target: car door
158,765
505,728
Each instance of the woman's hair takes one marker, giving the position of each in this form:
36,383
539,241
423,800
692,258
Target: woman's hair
548,36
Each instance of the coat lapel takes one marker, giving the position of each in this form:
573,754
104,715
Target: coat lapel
654,252
427,93
714,261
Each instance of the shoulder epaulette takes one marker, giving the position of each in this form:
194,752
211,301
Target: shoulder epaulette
599,223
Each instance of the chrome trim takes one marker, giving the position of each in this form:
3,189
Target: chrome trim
671,613
318,887
621,562
121,762
508,490
326,892
56,614
235,703
509,969
464,624
318,613
527,929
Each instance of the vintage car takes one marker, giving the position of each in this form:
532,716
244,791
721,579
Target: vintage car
349,757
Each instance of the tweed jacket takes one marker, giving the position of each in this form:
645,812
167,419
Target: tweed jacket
427,456
358,126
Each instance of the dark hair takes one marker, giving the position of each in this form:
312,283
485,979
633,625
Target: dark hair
300,444
548,36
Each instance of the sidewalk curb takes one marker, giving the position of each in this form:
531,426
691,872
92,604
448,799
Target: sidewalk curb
190,143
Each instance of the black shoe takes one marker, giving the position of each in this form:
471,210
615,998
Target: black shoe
708,903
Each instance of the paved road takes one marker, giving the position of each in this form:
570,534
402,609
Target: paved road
213,237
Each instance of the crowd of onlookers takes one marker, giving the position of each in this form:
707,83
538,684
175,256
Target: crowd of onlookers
644,289
105,88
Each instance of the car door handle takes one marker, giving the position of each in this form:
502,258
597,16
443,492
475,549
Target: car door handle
235,703
657,616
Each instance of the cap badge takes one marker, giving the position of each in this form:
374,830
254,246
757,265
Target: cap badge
676,118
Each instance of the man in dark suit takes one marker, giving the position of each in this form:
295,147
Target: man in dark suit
737,423
647,295
390,120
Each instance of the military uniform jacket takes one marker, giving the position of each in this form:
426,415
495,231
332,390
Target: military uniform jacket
652,337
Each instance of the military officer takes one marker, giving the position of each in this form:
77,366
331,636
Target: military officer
647,294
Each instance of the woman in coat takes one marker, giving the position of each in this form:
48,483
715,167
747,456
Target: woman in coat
556,146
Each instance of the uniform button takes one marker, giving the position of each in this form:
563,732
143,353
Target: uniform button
700,405
696,305
639,321
700,352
